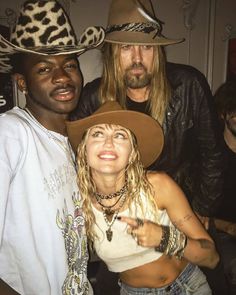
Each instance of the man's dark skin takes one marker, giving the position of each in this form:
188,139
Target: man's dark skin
52,86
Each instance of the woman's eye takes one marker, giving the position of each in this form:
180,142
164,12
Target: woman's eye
97,134
120,135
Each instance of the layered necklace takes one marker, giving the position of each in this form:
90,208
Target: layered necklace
108,211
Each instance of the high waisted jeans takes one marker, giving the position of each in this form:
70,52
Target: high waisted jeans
190,281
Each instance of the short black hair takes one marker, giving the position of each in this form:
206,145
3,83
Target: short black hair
225,98
17,63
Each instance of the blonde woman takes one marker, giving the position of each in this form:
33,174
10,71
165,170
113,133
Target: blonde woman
139,222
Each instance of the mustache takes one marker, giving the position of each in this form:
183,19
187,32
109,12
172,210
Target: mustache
137,66
62,88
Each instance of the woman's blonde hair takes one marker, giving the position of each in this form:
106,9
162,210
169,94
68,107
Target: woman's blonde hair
112,85
137,182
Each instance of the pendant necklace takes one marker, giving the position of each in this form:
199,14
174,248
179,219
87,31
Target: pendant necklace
109,232
108,209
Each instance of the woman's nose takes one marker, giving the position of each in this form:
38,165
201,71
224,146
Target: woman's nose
109,140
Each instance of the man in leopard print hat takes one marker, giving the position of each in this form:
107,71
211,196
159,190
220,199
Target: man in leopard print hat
43,244
44,28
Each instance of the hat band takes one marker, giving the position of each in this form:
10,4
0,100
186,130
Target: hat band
146,28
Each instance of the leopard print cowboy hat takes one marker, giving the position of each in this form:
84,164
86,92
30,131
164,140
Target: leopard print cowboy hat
43,27
134,22
148,132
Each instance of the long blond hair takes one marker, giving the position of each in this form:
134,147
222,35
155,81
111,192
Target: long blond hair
137,182
112,85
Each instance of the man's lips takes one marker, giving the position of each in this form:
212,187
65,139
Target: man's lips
64,94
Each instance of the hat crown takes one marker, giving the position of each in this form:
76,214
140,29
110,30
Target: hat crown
130,11
109,106
42,23
134,22
44,28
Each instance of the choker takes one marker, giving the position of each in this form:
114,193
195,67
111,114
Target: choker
119,193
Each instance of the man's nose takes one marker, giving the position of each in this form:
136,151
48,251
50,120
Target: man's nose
60,76
137,54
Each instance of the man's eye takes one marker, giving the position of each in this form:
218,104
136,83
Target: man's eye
43,70
125,47
147,47
71,66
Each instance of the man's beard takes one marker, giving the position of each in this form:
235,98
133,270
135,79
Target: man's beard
231,124
136,81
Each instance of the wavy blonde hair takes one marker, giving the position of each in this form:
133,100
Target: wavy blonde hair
112,85
137,182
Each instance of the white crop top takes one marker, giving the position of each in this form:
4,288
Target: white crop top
123,252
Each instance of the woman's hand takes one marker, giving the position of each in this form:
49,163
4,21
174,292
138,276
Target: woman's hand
145,232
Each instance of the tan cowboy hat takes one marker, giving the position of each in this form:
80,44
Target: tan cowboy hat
134,22
43,27
148,132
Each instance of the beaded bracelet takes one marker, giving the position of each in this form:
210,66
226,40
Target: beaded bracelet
164,239
173,242
180,254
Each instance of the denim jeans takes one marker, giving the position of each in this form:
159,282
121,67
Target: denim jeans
190,281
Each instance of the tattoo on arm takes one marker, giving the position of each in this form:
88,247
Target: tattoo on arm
180,222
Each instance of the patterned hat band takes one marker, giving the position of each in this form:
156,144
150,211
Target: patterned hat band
146,28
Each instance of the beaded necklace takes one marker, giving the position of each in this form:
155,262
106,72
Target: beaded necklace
112,195
107,210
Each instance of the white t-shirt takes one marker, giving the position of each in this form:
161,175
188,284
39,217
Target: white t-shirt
43,247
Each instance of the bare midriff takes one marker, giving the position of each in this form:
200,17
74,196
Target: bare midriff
156,274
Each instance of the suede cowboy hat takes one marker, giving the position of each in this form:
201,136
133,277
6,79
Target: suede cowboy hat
134,22
43,27
148,132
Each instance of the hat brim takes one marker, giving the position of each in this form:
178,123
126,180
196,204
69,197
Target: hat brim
139,38
148,132
7,49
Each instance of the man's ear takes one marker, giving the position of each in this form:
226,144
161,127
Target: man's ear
20,81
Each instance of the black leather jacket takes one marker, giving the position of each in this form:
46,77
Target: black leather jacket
192,151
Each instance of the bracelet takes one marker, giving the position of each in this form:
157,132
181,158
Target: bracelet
164,239
177,243
173,242
180,253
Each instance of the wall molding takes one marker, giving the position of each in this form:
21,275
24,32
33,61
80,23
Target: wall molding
189,11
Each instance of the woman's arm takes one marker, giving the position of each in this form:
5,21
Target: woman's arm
200,248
